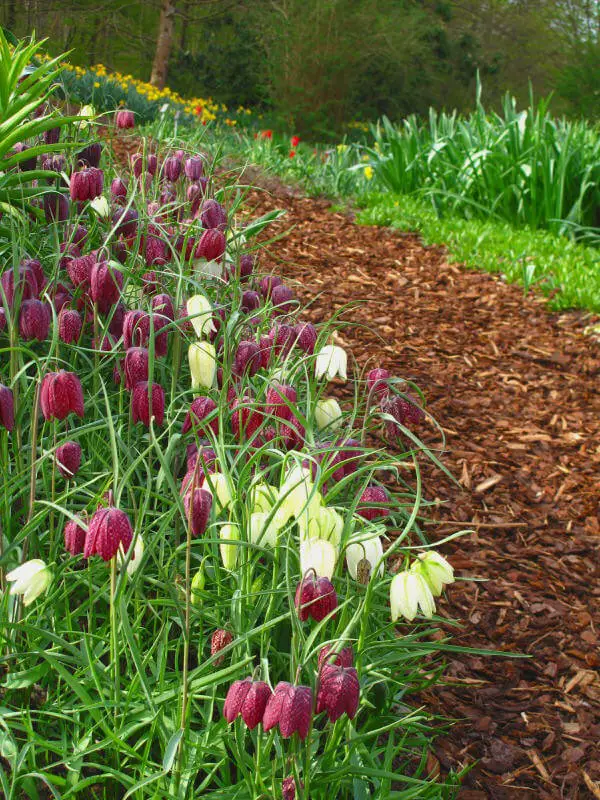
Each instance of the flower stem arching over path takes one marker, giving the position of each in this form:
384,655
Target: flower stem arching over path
515,389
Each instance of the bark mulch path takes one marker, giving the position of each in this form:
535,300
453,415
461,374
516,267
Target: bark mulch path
515,389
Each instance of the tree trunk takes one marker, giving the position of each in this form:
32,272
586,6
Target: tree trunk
163,44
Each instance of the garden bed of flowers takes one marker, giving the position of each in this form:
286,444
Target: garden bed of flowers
203,559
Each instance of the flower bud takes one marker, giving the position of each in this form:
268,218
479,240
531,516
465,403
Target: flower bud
249,699
34,320
30,579
203,365
339,691
108,529
219,641
328,413
197,586
331,361
7,408
408,592
135,366
106,283
315,597
290,707
148,400
374,503
435,570
197,504
213,215
74,535
68,459
201,408
61,394
125,119
69,325
229,551
212,245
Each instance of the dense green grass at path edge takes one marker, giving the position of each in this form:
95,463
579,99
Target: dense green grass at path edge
567,271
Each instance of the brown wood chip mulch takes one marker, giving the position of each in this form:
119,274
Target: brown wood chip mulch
515,388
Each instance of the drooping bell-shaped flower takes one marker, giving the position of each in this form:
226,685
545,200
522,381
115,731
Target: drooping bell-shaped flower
245,420
125,119
60,395
315,597
250,301
56,207
321,522
319,555
69,325
68,459
201,408
377,382
172,168
106,283
306,337
283,300
75,535
197,504
100,206
405,410
331,361
200,311
436,571
148,401
362,556
136,329
193,168
7,408
410,591
86,184
247,699
21,282
220,639
80,269
280,401
135,366
264,528
374,503
125,221
338,692
290,707
247,360
212,245
268,283
108,529
203,365
34,320
343,657
118,190
229,536
247,264
91,154
213,215
30,580
328,413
